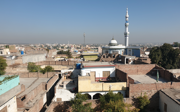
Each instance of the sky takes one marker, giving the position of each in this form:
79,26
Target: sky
60,21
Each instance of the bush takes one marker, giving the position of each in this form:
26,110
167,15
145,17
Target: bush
112,102
47,69
32,67
68,53
77,104
3,65
143,102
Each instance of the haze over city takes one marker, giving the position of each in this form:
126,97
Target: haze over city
62,21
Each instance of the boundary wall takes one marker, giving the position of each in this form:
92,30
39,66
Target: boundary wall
151,90
57,63
35,74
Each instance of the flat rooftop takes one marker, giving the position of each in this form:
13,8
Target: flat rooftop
30,84
98,64
146,79
173,94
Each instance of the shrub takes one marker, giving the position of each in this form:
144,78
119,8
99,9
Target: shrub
32,67
77,103
47,69
143,102
3,65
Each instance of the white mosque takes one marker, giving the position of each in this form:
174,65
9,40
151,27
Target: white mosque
121,49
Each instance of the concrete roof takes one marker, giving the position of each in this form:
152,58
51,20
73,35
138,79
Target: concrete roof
174,94
27,81
98,64
146,79
33,84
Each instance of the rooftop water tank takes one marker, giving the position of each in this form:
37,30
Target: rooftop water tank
22,52
78,65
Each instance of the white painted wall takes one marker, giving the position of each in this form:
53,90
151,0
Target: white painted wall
11,105
172,106
99,71
102,93
120,51
44,99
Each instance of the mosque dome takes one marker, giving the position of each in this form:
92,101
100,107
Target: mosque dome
113,42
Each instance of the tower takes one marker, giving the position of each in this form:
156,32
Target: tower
126,33
84,39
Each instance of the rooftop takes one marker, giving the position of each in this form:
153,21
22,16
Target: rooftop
146,79
30,84
98,64
173,93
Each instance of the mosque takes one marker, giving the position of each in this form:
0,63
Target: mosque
114,48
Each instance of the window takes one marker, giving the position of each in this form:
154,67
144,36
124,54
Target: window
23,98
165,107
106,73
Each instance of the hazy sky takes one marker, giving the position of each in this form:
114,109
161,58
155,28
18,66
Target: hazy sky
60,21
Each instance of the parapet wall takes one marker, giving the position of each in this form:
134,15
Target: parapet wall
35,74
38,105
57,63
85,81
51,82
8,84
33,58
141,69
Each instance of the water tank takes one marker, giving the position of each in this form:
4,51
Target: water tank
22,52
78,65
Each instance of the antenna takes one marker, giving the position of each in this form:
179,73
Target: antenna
84,38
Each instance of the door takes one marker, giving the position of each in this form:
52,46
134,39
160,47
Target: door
93,76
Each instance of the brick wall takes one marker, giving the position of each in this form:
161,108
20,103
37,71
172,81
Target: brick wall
151,90
141,69
36,74
37,106
52,81
121,76
31,95
56,63
131,81
165,74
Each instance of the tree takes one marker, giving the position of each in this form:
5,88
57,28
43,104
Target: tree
176,44
3,65
165,56
32,67
47,69
77,103
69,54
62,52
112,102
143,102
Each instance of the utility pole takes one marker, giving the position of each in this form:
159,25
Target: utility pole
84,38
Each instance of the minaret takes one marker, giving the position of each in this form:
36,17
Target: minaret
126,33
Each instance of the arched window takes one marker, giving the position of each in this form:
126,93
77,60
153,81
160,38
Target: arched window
88,96
97,96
